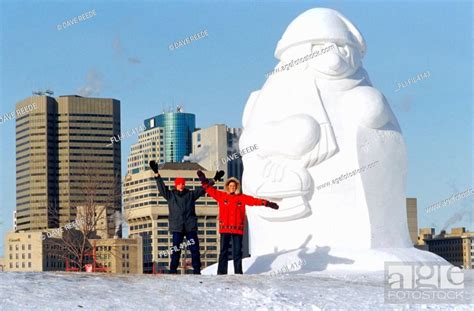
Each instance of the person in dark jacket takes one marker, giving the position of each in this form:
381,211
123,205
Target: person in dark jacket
182,217
231,219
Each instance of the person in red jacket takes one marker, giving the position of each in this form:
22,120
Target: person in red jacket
231,218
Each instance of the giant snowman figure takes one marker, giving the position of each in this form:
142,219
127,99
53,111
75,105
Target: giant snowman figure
330,152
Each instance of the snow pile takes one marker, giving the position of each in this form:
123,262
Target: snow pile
325,290
325,258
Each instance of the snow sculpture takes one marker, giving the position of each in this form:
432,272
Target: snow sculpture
331,153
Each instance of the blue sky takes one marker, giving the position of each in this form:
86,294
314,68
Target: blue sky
122,53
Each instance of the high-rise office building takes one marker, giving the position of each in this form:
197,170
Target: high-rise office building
412,219
235,167
149,147
211,147
61,149
177,133
147,216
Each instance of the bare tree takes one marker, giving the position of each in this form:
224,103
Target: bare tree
99,201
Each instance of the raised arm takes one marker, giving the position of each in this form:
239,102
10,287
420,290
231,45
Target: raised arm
208,187
162,188
199,192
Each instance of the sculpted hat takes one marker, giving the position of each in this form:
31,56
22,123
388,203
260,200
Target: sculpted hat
320,25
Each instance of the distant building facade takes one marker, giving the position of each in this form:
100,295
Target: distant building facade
456,247
178,128
120,255
213,145
150,146
55,144
412,219
28,251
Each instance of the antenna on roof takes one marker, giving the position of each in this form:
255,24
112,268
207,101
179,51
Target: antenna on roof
38,93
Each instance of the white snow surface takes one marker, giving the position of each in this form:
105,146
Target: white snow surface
324,290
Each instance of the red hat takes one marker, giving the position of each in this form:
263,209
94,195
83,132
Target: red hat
179,181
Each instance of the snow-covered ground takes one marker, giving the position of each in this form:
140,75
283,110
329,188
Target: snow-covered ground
336,290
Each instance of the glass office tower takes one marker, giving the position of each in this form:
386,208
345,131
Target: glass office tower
178,128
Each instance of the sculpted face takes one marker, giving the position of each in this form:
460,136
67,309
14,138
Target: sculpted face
339,62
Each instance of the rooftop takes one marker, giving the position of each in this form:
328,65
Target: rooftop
182,166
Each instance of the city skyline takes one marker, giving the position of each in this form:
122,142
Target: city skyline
141,74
